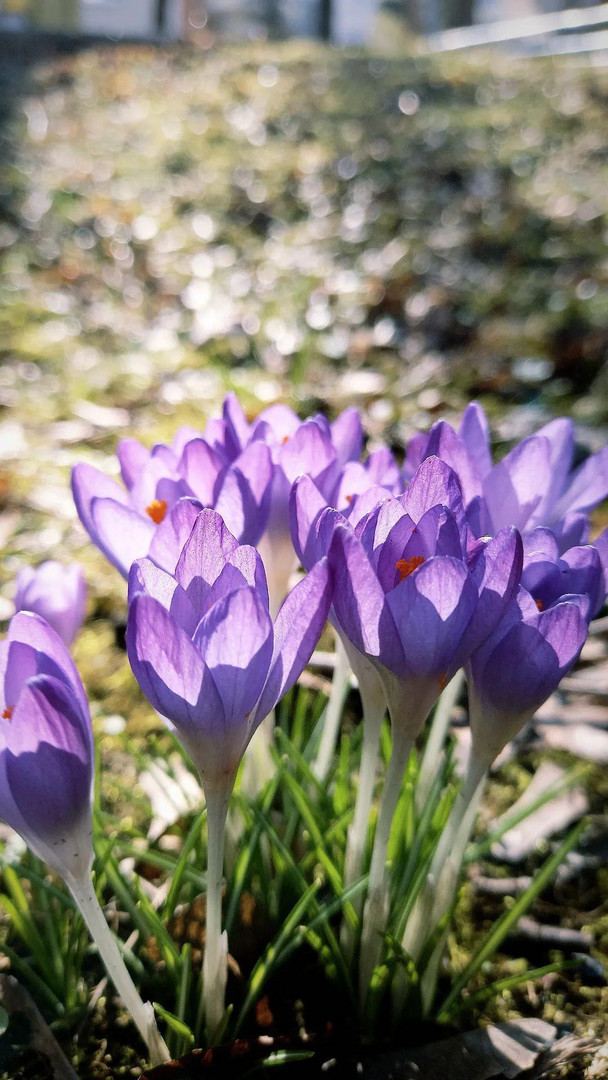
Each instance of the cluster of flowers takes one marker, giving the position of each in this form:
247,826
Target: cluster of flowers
446,562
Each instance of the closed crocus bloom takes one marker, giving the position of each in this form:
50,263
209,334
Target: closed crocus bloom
206,653
416,594
46,781
509,677
55,592
46,758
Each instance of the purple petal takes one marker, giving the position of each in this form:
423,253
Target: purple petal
514,488
201,466
123,535
347,436
359,601
89,483
432,609
588,487
560,436
57,593
475,434
306,504
363,504
278,421
297,630
388,519
167,666
171,535
32,647
205,553
307,451
236,426
582,573
49,759
445,444
236,640
530,660
496,573
133,458
146,577
434,484
244,495
571,531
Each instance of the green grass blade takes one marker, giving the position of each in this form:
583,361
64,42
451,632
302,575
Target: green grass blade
508,920
177,879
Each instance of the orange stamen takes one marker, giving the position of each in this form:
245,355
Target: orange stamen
284,440
443,680
540,605
8,712
157,510
348,498
407,566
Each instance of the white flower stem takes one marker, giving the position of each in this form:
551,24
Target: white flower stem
357,833
142,1014
436,895
215,970
436,738
333,714
376,906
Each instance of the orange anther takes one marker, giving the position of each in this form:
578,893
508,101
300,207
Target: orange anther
8,712
540,605
157,510
407,566
443,680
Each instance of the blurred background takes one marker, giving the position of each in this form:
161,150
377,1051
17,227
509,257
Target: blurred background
400,206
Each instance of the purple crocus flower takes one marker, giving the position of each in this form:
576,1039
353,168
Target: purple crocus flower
57,593
204,649
123,522
206,653
46,746
534,485
536,642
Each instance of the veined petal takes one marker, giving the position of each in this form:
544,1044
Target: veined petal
146,577
306,504
244,495
432,609
475,434
515,487
434,484
359,601
42,652
133,458
236,640
347,435
201,465
496,573
171,535
445,444
236,426
123,534
588,487
204,555
297,630
167,666
89,483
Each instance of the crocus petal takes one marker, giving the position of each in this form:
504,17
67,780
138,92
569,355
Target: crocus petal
475,434
49,764
167,666
572,531
431,609
515,487
57,593
236,426
309,451
496,572
359,601
279,421
434,484
529,662
588,487
235,639
444,443
297,630
133,457
363,504
172,534
204,555
244,494
601,545
123,535
582,573
148,578
560,436
347,436
43,653
306,504
201,466
89,483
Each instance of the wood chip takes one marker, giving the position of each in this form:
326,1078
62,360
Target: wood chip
17,1000
553,817
504,1050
